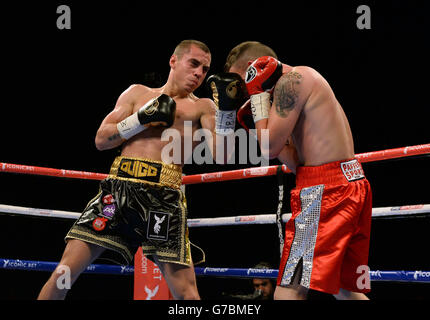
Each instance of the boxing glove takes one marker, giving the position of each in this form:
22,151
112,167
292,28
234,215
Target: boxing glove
228,92
160,109
244,116
261,77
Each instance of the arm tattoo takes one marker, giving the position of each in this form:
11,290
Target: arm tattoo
287,93
114,137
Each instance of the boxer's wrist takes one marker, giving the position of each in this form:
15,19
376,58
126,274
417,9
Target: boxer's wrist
260,106
225,122
130,126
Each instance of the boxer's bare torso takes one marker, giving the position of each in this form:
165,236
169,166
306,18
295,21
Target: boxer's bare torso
306,110
322,133
148,144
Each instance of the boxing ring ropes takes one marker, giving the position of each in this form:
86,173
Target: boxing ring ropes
253,172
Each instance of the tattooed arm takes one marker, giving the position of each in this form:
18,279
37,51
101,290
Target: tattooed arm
107,136
289,96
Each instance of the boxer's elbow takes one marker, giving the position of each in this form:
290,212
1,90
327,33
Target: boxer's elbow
274,153
270,145
104,141
100,144
269,152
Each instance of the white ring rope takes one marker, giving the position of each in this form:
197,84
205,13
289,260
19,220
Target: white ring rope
397,211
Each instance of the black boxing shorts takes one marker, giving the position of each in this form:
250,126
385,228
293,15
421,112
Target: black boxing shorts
139,204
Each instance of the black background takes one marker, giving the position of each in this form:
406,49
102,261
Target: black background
58,85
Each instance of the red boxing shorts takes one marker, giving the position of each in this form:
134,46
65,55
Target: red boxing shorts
329,230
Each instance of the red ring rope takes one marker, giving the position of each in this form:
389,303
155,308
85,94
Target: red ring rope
216,176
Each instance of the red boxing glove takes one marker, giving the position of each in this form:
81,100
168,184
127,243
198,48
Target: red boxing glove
244,116
262,75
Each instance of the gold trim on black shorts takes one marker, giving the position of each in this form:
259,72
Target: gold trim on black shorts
146,171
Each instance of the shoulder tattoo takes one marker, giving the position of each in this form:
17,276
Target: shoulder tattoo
287,92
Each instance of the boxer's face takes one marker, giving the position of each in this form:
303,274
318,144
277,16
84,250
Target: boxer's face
191,69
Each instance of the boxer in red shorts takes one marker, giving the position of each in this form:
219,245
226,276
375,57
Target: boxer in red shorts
327,237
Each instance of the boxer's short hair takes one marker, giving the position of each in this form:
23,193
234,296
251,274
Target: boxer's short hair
184,47
246,51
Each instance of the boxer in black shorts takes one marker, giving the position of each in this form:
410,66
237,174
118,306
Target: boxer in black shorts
140,203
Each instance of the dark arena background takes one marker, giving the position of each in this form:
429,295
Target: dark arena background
58,85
